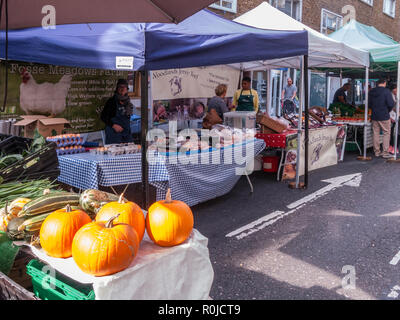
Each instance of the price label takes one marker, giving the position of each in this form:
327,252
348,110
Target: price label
124,63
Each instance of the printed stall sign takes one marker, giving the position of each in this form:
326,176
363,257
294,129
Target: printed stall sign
325,149
184,93
76,94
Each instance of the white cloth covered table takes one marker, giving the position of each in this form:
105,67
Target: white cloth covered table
182,272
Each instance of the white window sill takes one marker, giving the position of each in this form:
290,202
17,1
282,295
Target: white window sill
389,15
223,9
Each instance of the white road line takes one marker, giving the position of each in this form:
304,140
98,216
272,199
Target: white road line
395,259
255,223
350,180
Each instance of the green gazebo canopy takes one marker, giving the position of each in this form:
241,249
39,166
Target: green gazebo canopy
384,51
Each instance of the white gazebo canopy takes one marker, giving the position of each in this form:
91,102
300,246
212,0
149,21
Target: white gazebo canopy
324,52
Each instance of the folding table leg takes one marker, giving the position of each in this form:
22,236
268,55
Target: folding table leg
281,164
248,179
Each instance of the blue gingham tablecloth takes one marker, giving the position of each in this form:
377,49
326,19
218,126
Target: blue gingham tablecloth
193,178
89,171
200,180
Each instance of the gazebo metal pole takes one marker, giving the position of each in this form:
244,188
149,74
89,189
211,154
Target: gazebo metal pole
364,157
306,118
396,137
300,124
396,129
366,110
144,96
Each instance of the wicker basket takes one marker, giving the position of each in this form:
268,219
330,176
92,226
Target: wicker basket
266,130
17,284
271,123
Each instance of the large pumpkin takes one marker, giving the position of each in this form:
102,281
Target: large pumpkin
169,222
129,213
102,249
58,231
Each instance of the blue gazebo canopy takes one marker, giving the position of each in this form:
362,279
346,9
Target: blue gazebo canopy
201,40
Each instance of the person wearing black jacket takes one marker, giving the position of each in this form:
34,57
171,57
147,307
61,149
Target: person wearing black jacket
117,114
381,103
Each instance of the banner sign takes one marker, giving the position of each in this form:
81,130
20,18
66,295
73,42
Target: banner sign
193,82
325,149
76,94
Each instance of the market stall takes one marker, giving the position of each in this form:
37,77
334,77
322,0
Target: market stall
326,142
322,53
385,58
204,39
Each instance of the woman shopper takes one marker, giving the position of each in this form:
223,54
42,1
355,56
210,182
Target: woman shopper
218,103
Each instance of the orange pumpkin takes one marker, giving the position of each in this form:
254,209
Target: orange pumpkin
129,213
101,249
169,222
58,231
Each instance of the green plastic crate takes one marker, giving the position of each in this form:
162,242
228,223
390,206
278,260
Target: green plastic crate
351,147
60,287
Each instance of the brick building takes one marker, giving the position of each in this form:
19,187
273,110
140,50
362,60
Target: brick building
324,16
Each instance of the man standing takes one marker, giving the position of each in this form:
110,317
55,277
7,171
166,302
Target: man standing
340,94
381,103
289,91
246,99
289,94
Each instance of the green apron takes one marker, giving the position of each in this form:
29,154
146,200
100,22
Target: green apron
245,102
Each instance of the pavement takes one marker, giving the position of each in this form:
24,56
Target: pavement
340,242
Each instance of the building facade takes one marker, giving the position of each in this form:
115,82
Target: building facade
325,16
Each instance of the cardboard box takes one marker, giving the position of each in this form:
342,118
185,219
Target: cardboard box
44,125
271,123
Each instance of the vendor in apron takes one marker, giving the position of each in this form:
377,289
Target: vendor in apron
246,99
117,114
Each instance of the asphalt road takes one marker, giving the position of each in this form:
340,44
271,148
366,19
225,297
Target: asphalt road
342,244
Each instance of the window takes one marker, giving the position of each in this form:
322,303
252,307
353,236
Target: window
225,5
292,8
369,2
330,22
389,7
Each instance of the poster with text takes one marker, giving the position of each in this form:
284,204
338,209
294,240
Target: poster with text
76,94
193,82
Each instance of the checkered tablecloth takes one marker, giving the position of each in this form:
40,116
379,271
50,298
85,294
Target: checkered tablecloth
193,178
208,176
88,171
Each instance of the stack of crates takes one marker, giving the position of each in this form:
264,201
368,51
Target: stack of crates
56,286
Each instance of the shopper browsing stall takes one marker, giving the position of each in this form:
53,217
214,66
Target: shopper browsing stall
116,115
341,94
246,99
218,103
381,102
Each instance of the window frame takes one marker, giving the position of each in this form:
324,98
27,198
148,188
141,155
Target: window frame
222,8
300,13
323,10
394,8
368,2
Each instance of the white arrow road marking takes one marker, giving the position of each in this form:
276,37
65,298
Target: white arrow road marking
352,180
333,184
395,259
394,292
